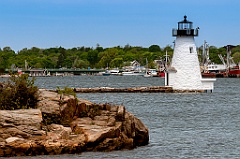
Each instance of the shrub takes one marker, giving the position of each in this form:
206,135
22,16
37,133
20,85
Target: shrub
18,93
66,91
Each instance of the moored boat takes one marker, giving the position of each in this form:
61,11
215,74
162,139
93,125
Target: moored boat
132,73
106,73
114,72
110,72
208,74
161,74
234,72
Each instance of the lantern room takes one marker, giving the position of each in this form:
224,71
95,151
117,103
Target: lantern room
185,28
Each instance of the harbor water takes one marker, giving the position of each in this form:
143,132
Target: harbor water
181,125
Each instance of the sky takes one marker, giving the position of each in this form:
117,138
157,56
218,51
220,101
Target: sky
109,23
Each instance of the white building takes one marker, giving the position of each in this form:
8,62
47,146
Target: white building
184,71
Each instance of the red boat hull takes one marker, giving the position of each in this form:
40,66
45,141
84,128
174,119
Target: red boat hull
209,75
234,72
161,74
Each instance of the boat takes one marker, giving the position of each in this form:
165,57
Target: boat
147,72
106,73
234,71
153,72
210,69
133,73
114,72
134,70
216,67
147,75
214,70
110,72
208,74
162,66
161,74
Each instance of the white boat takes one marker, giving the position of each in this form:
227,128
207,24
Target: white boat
114,72
110,72
147,75
216,67
147,72
133,73
153,72
134,70
106,73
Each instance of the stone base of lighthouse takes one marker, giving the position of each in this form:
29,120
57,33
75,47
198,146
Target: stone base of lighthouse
184,72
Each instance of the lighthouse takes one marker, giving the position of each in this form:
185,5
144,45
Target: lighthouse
184,70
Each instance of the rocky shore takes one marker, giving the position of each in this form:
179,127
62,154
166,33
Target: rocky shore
63,124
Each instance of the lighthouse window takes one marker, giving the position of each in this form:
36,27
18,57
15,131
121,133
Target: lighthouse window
191,49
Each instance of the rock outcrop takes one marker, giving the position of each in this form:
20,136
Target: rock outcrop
64,124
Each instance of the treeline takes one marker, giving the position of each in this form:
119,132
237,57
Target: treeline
98,57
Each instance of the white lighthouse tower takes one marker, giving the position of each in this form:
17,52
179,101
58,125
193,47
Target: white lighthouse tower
184,71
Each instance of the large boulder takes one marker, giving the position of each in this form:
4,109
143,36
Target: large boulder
64,124
22,123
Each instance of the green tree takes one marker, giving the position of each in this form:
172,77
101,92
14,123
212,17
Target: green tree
78,63
236,57
107,56
154,48
117,62
213,54
128,56
5,55
168,48
99,48
62,56
92,57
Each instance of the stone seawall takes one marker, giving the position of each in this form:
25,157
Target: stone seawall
152,89
125,90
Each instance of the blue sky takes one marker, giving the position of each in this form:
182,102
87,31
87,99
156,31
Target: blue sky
76,23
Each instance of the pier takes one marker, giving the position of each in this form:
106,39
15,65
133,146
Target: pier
151,89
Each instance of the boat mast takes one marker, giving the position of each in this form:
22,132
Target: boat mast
166,70
229,52
205,56
146,66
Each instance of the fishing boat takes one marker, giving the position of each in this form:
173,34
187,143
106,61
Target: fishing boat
234,71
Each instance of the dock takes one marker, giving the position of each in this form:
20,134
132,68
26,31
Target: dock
151,89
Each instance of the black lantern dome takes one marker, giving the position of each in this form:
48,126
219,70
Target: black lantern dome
185,28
